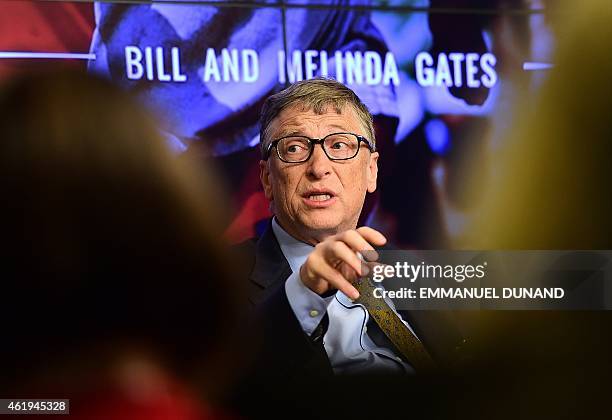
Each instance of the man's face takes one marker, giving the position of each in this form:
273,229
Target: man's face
318,198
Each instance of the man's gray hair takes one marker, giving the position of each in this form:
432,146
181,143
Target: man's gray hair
315,95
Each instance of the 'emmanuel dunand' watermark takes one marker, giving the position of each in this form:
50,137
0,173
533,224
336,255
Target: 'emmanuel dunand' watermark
493,279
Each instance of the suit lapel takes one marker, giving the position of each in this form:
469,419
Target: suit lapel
271,268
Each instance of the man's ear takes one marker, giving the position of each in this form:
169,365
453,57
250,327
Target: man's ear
372,172
264,176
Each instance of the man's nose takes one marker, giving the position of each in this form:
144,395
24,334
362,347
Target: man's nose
319,164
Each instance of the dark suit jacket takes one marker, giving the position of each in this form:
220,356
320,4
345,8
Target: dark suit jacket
285,351
286,378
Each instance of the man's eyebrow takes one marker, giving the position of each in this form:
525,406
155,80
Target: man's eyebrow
294,131
289,132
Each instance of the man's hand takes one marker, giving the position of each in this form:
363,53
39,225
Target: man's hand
334,263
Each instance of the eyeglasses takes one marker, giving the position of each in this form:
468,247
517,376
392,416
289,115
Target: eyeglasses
337,146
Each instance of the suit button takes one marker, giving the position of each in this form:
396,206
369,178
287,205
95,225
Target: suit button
314,313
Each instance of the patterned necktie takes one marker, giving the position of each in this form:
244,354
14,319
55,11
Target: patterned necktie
390,323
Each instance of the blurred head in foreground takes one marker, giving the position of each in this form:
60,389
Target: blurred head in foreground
552,191
110,244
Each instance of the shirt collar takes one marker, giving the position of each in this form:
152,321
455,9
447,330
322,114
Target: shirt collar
294,251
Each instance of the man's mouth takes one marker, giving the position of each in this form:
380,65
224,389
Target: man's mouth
319,197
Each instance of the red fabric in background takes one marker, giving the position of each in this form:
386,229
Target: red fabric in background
39,26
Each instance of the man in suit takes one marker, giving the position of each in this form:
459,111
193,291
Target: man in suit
319,161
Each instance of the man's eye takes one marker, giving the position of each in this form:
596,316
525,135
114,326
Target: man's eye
295,148
339,145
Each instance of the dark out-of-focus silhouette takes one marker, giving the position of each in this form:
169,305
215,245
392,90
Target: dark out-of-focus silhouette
551,190
117,291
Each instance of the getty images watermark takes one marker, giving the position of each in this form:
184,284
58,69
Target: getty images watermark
493,279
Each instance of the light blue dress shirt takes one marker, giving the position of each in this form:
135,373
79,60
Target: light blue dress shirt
348,346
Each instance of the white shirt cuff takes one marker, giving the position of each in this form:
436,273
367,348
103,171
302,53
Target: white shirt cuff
308,307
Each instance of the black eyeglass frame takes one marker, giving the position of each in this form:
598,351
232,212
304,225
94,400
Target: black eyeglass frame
321,141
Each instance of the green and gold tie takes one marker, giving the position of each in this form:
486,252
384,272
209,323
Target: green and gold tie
390,323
